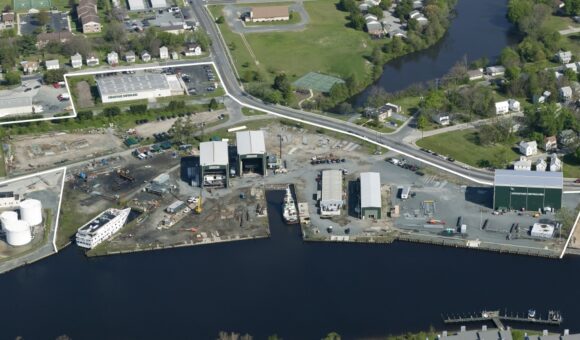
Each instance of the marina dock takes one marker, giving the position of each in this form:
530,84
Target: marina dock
554,318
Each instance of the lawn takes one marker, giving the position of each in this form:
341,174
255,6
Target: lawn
409,105
461,145
2,162
571,166
251,112
326,45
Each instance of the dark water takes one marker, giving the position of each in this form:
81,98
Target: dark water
480,29
280,285
285,286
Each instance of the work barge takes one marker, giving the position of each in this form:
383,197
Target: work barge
554,318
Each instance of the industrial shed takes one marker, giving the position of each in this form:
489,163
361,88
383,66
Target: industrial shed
370,195
133,87
251,152
214,164
331,198
527,190
15,105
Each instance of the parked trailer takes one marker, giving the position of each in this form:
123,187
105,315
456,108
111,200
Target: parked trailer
405,192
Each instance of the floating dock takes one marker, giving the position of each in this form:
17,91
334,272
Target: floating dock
554,318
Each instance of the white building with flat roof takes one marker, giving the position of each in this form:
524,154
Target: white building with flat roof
133,87
101,227
331,201
542,230
52,64
15,106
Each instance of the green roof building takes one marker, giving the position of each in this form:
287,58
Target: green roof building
527,190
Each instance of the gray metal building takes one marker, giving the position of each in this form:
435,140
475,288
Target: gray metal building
133,87
331,200
251,149
214,164
14,106
370,195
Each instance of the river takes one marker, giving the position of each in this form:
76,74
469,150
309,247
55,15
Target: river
283,285
479,29
279,285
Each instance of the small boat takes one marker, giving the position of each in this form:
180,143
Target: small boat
289,211
531,314
554,316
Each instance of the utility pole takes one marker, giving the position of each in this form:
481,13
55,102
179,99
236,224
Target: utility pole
280,136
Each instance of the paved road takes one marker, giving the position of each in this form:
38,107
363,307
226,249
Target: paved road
233,88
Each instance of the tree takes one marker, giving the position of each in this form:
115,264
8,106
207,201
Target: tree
376,11
357,21
138,109
338,92
201,37
213,104
12,78
282,84
385,4
111,111
78,44
509,57
220,20
347,5
377,56
115,34
84,115
8,8
572,7
403,9
519,9
422,122
54,76
43,18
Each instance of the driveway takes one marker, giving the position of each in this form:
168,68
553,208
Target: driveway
233,13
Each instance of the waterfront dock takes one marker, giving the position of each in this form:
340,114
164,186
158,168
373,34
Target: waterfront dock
554,318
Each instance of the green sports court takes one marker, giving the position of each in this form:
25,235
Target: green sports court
26,5
317,82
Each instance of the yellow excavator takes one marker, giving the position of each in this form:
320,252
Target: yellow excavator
198,208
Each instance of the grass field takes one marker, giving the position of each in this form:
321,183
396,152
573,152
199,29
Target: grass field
326,46
461,145
251,112
2,162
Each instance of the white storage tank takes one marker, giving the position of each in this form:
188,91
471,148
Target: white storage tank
8,216
18,233
31,211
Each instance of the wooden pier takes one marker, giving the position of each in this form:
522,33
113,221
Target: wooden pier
554,318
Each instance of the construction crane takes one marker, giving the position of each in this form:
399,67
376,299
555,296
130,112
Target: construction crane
198,208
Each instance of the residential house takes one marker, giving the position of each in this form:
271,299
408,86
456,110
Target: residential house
542,99
88,16
393,107
92,60
441,119
528,148
555,163
7,20
364,7
192,50
523,164
174,55
475,74
565,93
550,143
57,37
370,17
567,138
541,165
76,61
130,57
572,66
417,4
502,107
52,64
495,71
145,56
514,105
113,58
375,29
414,14
29,67
564,57
163,53
422,20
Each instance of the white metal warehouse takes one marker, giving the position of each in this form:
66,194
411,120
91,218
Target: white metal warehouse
251,149
14,106
370,195
331,199
134,87
214,163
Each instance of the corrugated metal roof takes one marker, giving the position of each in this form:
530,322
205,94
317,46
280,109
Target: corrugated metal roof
213,153
331,185
250,142
534,179
134,83
370,190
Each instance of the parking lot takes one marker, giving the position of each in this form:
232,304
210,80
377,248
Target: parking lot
43,96
57,23
200,80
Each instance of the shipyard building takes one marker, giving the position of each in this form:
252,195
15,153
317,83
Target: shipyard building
370,195
331,201
251,150
527,190
214,164
134,87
